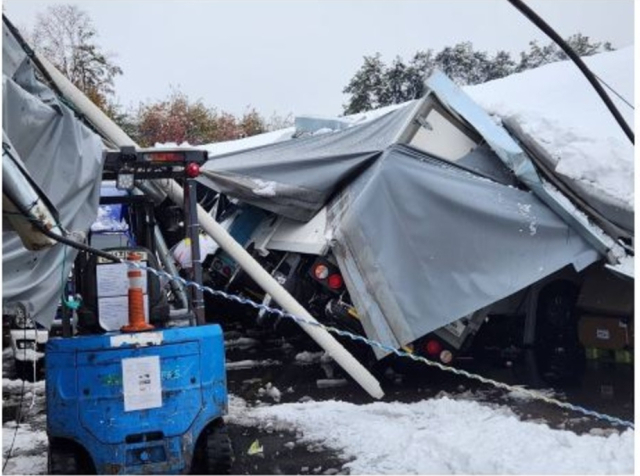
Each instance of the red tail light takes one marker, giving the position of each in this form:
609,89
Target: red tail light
192,170
166,157
433,347
335,281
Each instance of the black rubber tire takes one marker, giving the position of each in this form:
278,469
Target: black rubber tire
62,459
213,453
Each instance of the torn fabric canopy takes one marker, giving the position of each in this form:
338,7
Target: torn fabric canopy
64,158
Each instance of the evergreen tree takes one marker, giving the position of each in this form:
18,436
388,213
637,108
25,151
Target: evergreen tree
463,64
366,86
500,66
394,89
537,56
583,46
419,69
375,85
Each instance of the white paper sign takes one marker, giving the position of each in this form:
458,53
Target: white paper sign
112,279
113,312
141,383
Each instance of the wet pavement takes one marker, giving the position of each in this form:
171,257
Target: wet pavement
600,386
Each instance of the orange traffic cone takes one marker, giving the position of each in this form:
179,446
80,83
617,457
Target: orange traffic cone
136,299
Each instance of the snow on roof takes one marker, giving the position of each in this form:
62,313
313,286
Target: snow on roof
553,104
556,105
219,148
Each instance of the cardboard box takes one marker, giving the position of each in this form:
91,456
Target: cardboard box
605,293
604,332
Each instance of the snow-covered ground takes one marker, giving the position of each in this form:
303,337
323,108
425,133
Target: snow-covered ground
442,436
28,441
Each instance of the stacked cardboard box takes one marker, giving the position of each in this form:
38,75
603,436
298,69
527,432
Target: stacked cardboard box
605,327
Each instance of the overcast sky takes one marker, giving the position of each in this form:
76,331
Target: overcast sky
296,56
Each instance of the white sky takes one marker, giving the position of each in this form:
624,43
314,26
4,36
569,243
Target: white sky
297,56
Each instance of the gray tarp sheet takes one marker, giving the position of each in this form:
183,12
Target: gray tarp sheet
64,158
424,243
295,178
421,242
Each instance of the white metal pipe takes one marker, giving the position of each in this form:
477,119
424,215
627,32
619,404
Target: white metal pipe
93,113
115,134
281,296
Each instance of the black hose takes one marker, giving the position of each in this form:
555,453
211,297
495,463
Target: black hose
75,244
41,227
540,23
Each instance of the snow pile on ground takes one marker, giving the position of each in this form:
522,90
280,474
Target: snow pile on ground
29,454
28,445
442,436
306,357
270,391
558,107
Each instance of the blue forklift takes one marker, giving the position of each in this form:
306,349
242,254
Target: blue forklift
138,390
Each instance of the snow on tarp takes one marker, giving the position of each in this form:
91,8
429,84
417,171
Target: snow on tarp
556,107
65,159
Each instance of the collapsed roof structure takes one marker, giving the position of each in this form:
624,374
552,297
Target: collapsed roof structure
432,210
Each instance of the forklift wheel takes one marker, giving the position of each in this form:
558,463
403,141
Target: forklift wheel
213,453
62,459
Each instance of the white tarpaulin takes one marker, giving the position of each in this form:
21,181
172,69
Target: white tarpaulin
64,158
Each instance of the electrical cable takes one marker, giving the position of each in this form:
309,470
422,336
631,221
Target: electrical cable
71,303
67,241
610,88
550,32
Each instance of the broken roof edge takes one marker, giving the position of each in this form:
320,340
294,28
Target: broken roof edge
517,159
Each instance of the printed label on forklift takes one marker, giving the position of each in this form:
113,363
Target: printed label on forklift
141,383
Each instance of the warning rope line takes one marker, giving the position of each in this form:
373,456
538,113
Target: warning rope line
372,343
